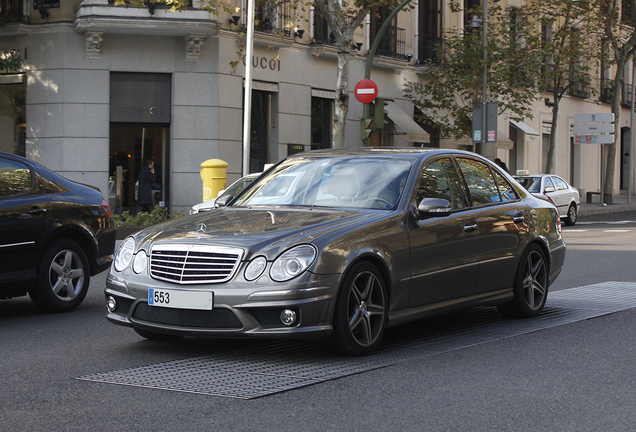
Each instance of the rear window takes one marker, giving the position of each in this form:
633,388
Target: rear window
532,184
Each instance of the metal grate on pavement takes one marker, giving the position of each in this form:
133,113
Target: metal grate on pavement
269,368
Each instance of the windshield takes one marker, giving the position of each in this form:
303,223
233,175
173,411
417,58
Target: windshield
374,182
532,184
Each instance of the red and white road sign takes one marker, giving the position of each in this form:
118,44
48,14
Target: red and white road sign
366,91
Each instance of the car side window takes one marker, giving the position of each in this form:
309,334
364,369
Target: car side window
560,184
15,178
439,180
481,184
547,183
506,191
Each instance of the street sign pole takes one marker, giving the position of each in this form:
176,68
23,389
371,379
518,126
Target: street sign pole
595,129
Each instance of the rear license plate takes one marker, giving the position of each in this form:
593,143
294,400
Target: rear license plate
178,299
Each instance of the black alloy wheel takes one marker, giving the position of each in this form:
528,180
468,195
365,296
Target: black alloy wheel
361,311
530,286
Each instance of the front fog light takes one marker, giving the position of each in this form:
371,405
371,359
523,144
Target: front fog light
111,303
288,317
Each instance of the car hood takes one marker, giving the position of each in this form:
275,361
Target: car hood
268,231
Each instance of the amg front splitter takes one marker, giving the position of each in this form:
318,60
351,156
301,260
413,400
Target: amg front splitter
269,368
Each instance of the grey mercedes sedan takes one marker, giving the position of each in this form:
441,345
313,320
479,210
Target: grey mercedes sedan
340,244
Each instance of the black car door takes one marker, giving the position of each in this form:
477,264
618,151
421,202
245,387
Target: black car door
503,222
444,250
24,215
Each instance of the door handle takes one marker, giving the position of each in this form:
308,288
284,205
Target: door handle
470,227
36,211
518,218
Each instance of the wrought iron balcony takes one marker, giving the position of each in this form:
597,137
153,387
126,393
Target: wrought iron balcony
13,11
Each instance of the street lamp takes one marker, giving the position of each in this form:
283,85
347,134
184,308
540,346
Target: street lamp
475,23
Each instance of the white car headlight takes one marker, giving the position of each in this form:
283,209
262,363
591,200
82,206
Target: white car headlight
255,268
292,263
139,264
124,254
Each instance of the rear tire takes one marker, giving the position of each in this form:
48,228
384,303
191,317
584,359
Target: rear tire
361,311
572,215
63,277
530,286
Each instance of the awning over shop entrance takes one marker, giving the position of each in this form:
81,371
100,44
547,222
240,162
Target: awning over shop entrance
524,127
414,132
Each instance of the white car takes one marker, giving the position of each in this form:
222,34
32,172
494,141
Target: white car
565,197
234,189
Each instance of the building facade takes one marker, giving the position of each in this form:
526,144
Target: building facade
106,87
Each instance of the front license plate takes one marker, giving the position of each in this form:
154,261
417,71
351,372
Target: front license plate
178,299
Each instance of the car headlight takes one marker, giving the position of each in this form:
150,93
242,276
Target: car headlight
139,263
255,268
292,263
124,254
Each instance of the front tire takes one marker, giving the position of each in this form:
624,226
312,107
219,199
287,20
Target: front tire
361,311
63,277
572,215
530,286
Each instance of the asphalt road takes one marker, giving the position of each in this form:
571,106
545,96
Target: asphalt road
575,377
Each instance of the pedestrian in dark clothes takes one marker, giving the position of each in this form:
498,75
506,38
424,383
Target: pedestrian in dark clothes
147,182
501,164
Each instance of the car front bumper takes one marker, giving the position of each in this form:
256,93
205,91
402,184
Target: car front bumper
239,308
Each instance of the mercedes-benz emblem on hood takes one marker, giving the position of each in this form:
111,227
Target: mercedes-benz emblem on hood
201,229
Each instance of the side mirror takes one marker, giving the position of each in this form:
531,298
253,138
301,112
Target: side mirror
548,189
223,201
433,207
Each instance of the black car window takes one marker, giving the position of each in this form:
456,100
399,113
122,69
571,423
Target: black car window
560,184
15,178
439,180
506,191
480,182
532,184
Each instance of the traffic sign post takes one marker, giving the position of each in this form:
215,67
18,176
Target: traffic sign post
595,128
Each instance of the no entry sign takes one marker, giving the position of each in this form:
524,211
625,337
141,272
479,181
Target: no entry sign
366,91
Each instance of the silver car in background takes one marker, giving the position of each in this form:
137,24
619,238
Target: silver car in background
565,197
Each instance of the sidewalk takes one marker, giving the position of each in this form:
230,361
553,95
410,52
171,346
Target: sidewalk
619,205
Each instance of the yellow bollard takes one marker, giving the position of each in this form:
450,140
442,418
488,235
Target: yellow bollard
214,176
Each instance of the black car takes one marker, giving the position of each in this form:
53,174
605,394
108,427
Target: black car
54,235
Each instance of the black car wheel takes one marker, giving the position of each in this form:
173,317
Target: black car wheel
530,286
572,214
63,277
154,336
361,311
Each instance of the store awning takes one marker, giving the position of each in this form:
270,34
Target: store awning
414,132
524,127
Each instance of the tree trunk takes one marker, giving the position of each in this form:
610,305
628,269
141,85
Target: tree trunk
610,170
342,99
555,116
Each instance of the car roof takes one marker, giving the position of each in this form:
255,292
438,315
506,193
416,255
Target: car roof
414,152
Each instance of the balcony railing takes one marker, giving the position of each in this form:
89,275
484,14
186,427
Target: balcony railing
13,11
272,19
428,47
393,43
606,90
626,95
580,85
